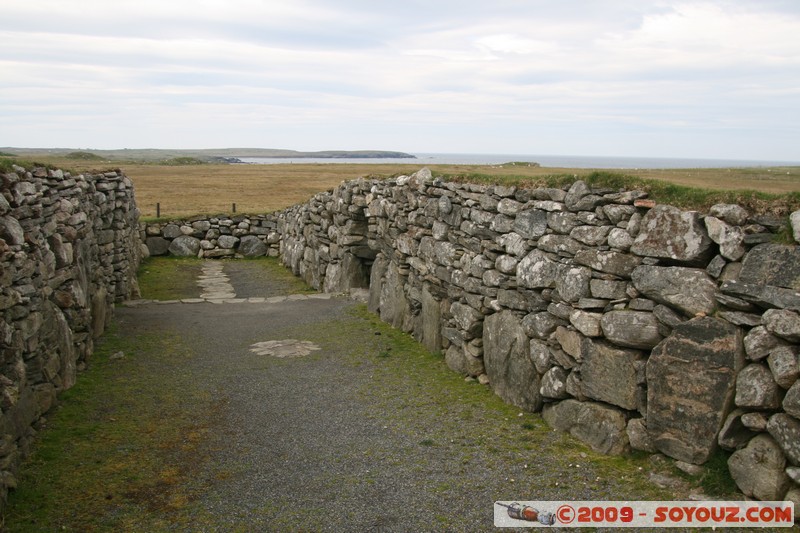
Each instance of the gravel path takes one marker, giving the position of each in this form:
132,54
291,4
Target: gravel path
355,436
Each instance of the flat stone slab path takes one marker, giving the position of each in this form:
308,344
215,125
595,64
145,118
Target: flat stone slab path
362,432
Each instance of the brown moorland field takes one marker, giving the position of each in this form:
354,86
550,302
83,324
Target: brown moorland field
185,190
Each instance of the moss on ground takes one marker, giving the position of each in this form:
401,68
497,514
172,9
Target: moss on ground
169,277
122,450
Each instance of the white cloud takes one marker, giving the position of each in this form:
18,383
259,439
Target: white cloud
342,74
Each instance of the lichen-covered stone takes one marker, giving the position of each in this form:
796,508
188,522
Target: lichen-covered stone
573,283
537,271
531,224
554,384
586,323
616,263
669,233
184,246
540,325
785,430
570,341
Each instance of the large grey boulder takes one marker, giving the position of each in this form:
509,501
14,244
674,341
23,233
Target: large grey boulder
171,231
455,360
252,246
689,290
632,329
609,374
691,377
772,264
157,245
669,233
758,469
185,246
506,356
599,426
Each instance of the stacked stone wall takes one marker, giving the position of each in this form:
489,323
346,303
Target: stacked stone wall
628,324
213,237
69,248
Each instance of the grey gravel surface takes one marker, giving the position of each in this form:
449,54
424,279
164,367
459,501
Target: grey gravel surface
348,438
253,279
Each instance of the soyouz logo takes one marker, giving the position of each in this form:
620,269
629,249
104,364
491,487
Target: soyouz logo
643,514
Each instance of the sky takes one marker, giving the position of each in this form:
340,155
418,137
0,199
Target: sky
648,78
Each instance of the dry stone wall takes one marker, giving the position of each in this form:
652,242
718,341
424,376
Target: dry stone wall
69,248
213,237
627,324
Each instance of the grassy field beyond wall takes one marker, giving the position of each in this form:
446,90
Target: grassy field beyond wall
186,190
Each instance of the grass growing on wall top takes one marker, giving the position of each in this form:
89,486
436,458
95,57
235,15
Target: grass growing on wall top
664,192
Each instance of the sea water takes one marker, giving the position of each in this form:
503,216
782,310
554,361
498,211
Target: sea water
563,161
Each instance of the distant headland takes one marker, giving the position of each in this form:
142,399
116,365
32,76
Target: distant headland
223,155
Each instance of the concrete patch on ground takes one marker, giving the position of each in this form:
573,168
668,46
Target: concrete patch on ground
284,348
